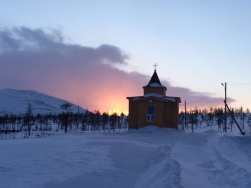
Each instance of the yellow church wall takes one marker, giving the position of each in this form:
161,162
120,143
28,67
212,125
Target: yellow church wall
165,113
133,114
142,113
172,114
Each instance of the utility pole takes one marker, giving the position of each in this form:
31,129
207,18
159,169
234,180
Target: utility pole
225,106
225,101
192,121
185,114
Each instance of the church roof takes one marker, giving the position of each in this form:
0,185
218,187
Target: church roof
157,96
154,81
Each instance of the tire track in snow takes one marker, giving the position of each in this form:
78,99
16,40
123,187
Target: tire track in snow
227,173
163,171
243,144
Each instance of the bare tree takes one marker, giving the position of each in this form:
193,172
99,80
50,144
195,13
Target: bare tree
28,118
66,106
65,120
105,119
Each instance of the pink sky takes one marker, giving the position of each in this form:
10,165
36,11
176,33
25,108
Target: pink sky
40,60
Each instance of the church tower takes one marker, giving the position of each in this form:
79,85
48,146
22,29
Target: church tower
154,86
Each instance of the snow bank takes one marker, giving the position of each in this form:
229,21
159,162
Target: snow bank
159,158
163,171
148,129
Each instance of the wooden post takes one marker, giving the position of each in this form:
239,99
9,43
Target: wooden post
192,121
225,107
225,101
185,114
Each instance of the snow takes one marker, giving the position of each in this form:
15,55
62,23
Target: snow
147,157
160,96
154,85
137,98
16,101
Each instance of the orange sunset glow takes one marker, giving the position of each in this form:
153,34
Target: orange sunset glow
117,103
117,106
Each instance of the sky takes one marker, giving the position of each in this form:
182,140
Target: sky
97,53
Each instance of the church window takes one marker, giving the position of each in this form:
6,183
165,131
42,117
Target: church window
150,114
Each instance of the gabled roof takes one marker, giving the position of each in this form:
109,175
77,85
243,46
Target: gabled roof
156,96
154,79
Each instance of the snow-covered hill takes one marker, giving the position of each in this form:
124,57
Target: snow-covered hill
16,101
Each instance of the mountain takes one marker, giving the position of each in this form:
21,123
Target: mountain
16,101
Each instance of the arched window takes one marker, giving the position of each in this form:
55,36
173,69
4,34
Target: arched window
150,113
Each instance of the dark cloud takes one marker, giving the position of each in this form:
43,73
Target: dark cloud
111,53
41,60
23,38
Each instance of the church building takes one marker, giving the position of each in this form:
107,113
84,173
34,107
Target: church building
154,107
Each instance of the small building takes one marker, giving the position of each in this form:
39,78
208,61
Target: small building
154,107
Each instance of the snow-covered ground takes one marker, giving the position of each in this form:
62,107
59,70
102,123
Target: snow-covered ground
147,157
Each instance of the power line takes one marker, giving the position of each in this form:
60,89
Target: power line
210,100
206,96
216,97
240,84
